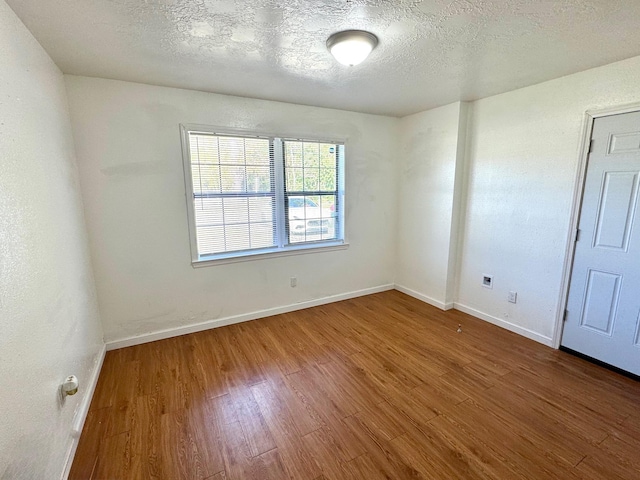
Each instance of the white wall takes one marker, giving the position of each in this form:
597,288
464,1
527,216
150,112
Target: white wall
127,140
515,186
430,178
49,323
402,175
522,161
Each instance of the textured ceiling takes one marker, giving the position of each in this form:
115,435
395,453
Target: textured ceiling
431,52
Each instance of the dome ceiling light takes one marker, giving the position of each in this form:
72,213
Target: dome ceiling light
351,47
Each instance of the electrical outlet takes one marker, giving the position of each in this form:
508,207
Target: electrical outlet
513,297
294,281
487,281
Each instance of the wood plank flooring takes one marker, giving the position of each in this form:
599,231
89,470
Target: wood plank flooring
377,387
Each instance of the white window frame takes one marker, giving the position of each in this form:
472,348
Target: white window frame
282,248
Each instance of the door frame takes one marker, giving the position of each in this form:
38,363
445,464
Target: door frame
578,191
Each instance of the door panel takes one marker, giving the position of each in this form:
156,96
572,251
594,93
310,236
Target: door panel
601,301
624,143
618,198
603,307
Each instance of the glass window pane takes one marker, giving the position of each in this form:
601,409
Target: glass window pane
296,231
206,178
327,179
312,207
233,179
329,233
231,150
311,180
328,205
311,154
310,218
295,180
204,148
261,209
292,154
262,235
296,210
327,155
258,179
257,151
210,240
237,237
236,210
208,211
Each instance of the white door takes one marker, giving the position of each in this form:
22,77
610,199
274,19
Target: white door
603,308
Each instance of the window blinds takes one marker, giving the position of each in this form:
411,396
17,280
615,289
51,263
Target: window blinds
233,192
253,194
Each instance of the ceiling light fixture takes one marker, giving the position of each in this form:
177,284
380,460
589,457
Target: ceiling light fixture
351,47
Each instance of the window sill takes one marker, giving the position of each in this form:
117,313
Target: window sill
265,254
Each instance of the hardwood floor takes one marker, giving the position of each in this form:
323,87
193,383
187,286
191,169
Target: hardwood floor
378,387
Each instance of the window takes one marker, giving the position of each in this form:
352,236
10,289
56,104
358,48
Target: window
250,195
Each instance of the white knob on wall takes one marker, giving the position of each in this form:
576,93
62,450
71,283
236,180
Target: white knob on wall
70,386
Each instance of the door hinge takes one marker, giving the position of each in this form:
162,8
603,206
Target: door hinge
577,234
591,145
566,314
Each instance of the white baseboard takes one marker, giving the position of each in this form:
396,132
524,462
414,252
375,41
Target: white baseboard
424,298
221,322
525,332
83,411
